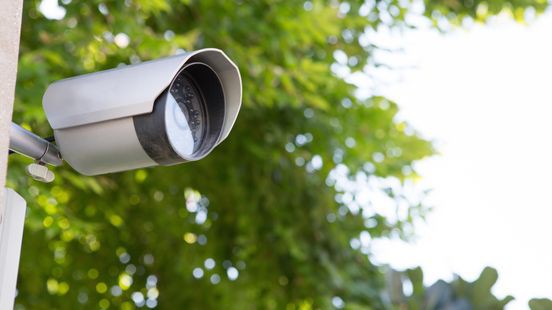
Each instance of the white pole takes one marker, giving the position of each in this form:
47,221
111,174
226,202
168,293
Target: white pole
10,246
12,206
10,28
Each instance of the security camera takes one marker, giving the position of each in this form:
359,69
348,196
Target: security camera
160,112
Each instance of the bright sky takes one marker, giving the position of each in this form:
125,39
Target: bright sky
485,95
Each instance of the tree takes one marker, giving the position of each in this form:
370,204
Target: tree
279,215
459,294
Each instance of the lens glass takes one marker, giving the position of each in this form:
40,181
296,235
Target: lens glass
185,115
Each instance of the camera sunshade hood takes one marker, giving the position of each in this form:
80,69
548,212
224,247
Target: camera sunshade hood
132,90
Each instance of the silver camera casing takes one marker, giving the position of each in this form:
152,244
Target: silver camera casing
92,115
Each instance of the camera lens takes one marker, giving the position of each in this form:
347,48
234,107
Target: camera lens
187,119
194,112
185,115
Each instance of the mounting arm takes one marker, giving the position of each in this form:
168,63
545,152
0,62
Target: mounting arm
27,143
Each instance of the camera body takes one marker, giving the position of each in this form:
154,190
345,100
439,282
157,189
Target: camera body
160,112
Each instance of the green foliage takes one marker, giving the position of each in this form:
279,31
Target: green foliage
459,294
456,11
540,304
278,204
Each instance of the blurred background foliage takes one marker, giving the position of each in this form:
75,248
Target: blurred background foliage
282,214
459,294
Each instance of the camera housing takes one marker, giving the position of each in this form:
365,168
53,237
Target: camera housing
161,112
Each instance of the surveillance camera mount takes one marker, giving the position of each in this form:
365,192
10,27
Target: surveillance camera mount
41,150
